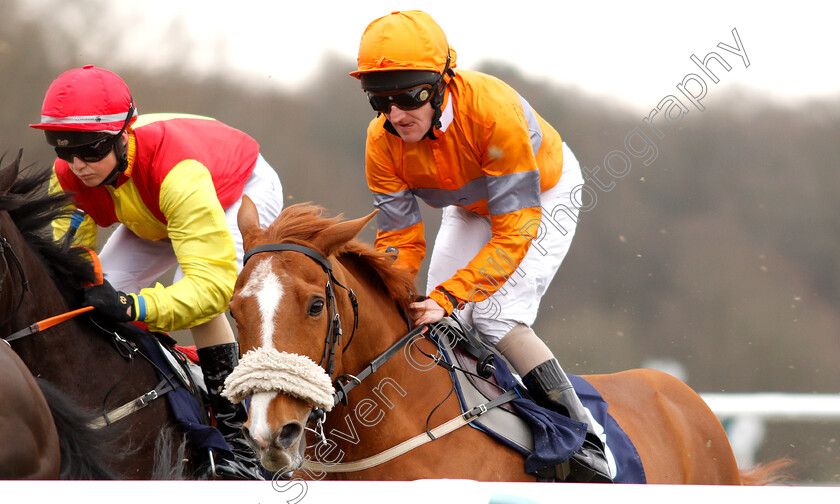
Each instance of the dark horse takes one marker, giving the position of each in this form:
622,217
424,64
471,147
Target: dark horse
27,432
43,434
288,302
91,366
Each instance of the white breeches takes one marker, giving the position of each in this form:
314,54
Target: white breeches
463,233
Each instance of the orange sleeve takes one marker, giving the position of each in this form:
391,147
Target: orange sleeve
400,224
513,201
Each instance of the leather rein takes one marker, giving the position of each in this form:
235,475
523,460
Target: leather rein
109,417
6,247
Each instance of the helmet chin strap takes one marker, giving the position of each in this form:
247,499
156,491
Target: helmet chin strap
437,101
111,179
122,164
120,151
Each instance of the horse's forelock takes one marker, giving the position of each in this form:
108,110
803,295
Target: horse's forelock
298,224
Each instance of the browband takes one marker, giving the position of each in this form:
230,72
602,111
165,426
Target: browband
279,247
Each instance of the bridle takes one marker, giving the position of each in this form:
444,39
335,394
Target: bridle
334,331
349,382
6,250
344,383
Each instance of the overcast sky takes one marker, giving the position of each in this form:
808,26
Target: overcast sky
633,52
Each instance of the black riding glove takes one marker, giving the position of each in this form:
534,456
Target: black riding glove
117,306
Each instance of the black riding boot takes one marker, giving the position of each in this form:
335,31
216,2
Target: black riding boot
551,388
217,362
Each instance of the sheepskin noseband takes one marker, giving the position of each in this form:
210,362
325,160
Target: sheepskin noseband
268,370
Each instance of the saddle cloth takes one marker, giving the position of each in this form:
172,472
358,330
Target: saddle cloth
545,437
186,407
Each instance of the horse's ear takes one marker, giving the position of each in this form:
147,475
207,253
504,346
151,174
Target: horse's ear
330,239
9,174
248,218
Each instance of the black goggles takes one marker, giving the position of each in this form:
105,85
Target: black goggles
89,153
98,149
405,99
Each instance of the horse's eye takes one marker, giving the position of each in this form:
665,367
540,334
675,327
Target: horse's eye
316,307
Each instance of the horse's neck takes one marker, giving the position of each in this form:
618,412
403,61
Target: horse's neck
394,402
68,353
41,300
42,297
380,321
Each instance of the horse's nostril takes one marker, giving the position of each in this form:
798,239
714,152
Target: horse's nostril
246,433
289,434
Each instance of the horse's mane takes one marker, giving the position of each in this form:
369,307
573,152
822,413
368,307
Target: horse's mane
33,208
301,223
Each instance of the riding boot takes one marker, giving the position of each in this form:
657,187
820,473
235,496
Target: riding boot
551,388
217,362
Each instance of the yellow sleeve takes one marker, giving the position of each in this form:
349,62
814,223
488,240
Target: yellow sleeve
203,245
85,235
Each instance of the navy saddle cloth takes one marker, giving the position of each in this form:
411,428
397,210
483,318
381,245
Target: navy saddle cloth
545,437
185,406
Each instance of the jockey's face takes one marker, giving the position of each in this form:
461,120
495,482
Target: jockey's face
92,174
411,125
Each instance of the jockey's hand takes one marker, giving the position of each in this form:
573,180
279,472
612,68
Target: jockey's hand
426,312
117,306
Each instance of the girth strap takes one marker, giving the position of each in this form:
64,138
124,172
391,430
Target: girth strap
132,406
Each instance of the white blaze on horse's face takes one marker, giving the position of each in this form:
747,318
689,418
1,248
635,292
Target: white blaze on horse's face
265,286
260,430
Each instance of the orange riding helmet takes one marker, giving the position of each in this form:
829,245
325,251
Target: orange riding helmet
402,50
404,40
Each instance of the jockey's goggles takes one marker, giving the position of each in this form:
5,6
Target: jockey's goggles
89,153
404,99
89,150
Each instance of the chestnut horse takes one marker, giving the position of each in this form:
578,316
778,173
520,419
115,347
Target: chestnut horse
295,309
88,365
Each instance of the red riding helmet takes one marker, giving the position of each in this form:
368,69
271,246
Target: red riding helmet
83,105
